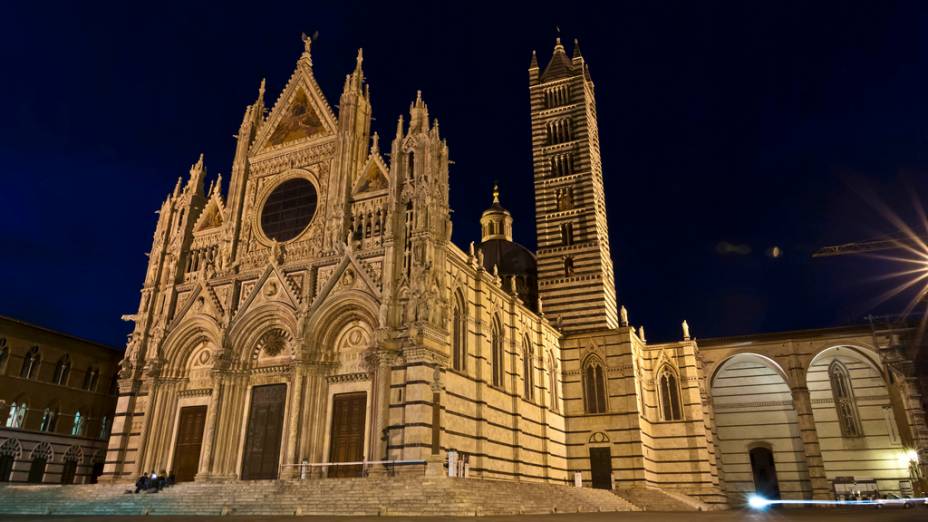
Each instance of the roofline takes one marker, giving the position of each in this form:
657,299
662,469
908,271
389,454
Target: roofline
770,336
56,332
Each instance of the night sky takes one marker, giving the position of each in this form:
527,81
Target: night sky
726,129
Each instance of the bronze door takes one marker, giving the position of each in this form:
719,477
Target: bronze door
265,428
189,441
601,467
349,411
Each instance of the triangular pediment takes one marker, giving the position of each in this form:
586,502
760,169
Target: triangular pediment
200,300
211,217
349,274
300,114
272,287
373,176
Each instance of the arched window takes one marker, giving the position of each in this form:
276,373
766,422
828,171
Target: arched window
104,428
459,335
496,347
62,369
843,395
49,418
90,379
17,415
552,382
77,429
528,369
567,234
30,363
668,391
594,386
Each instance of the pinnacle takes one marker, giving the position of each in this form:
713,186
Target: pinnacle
534,63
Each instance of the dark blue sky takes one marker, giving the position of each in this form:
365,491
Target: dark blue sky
738,122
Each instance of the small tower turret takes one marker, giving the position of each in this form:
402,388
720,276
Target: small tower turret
496,221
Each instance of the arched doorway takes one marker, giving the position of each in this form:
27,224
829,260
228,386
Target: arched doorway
6,467
68,470
765,473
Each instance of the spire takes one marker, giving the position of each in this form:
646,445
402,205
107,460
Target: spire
418,115
576,49
534,63
495,192
375,143
558,46
307,48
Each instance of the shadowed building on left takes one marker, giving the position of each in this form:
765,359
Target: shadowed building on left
57,399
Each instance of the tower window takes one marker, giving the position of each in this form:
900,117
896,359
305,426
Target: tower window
565,199
567,234
568,266
559,131
843,395
669,394
594,386
562,164
557,96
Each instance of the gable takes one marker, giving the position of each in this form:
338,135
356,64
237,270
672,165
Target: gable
373,179
299,120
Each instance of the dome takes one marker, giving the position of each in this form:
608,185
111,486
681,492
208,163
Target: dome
513,259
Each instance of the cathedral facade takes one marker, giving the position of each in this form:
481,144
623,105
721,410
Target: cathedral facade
319,313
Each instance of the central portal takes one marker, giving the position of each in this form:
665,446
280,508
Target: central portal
189,441
265,426
349,411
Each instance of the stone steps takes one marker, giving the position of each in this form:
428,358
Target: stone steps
362,496
652,499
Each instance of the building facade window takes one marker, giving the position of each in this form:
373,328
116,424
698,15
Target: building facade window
104,428
496,353
4,354
843,395
594,386
669,394
16,417
528,369
62,369
459,336
31,362
49,418
77,429
91,378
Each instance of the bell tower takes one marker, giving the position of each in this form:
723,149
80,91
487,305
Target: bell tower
575,276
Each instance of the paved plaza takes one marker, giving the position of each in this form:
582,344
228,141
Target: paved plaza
782,515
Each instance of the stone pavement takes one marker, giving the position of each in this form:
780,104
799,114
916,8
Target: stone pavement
784,515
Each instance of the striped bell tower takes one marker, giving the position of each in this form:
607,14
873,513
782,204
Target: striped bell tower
576,282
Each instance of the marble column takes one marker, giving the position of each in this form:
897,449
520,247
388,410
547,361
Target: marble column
209,430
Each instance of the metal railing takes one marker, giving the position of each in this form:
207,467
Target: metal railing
321,470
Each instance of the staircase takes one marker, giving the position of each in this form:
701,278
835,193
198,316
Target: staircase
652,499
403,495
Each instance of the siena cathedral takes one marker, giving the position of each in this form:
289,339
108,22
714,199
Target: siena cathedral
319,314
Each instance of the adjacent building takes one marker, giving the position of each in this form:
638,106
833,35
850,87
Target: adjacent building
57,402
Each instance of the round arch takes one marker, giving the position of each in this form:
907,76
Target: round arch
184,340
250,328
768,361
328,321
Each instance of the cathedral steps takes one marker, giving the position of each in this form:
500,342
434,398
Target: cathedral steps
362,496
652,499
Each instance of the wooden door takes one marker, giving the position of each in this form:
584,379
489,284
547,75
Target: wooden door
349,411
189,441
265,429
601,467
68,471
